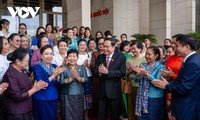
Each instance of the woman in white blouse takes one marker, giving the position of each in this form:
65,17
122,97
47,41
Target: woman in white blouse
59,58
4,63
4,28
84,58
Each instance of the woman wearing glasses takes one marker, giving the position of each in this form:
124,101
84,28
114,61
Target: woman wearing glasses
14,41
99,51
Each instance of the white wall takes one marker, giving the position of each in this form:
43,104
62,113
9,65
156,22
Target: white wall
126,17
102,22
144,16
123,16
78,13
183,16
157,19
163,18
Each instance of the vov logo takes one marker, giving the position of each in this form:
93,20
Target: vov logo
26,10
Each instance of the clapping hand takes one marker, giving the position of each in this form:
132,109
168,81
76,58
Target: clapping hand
141,70
160,83
3,87
75,75
39,85
130,66
136,69
58,70
166,73
86,63
133,67
64,63
102,69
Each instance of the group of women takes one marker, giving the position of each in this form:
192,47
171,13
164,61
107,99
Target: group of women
39,75
50,73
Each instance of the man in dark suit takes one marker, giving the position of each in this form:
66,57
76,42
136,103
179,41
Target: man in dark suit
109,68
186,88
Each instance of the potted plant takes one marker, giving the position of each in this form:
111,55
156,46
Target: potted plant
142,37
196,35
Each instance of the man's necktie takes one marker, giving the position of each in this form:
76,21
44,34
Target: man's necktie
107,61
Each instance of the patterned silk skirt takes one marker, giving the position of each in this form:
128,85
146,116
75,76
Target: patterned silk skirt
72,107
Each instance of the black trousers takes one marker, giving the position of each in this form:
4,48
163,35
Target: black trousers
25,116
111,105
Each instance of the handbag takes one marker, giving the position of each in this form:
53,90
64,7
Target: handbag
126,86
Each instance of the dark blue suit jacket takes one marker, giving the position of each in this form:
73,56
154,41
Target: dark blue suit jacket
186,90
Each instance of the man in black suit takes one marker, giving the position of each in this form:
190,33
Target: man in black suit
109,68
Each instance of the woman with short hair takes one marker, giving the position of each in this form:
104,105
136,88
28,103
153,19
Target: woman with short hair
72,92
59,58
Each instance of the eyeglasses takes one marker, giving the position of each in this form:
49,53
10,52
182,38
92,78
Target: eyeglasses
19,41
24,41
26,60
6,43
100,43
